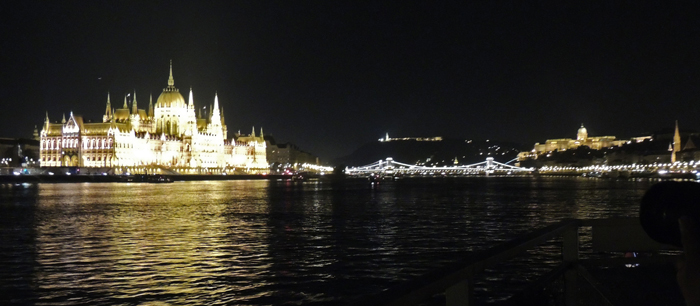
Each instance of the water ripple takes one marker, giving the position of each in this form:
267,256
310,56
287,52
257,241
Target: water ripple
277,242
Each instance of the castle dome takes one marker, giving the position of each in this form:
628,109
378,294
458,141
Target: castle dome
582,130
582,133
171,97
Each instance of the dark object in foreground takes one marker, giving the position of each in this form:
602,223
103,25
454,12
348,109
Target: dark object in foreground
662,206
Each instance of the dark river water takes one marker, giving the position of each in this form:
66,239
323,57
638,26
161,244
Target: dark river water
270,242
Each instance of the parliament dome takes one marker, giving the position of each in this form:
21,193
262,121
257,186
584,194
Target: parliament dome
171,96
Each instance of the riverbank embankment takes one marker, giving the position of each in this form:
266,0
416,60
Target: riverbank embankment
129,178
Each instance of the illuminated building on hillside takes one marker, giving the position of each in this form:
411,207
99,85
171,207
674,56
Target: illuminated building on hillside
582,139
387,139
168,137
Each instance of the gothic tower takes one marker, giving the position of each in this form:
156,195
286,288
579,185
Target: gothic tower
676,144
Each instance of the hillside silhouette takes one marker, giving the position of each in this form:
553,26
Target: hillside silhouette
432,153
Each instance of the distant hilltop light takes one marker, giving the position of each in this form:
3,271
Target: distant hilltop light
387,138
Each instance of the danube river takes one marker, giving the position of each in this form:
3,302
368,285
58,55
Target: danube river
269,242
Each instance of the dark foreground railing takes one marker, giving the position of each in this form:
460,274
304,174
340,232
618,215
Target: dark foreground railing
456,281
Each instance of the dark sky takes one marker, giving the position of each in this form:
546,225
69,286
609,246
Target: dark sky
330,76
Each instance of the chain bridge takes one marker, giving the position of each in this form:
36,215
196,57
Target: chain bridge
390,167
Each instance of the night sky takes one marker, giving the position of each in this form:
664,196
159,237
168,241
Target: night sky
330,76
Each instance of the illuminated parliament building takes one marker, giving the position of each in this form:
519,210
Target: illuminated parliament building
168,137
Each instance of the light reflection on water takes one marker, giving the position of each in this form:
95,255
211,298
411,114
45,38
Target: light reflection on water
267,242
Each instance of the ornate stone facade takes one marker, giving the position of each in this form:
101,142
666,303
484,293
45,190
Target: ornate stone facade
167,138
582,139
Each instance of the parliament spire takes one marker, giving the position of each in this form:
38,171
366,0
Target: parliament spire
215,113
133,104
109,106
191,102
171,81
108,111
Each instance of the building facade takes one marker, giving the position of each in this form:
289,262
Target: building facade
288,155
18,152
582,139
168,137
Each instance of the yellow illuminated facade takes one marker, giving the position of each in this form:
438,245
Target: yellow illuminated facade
167,138
582,139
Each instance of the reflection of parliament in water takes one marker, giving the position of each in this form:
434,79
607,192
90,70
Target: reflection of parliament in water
169,136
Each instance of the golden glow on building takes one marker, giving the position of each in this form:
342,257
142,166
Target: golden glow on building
582,139
169,137
676,144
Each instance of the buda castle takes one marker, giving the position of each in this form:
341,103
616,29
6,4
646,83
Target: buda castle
168,137
582,139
